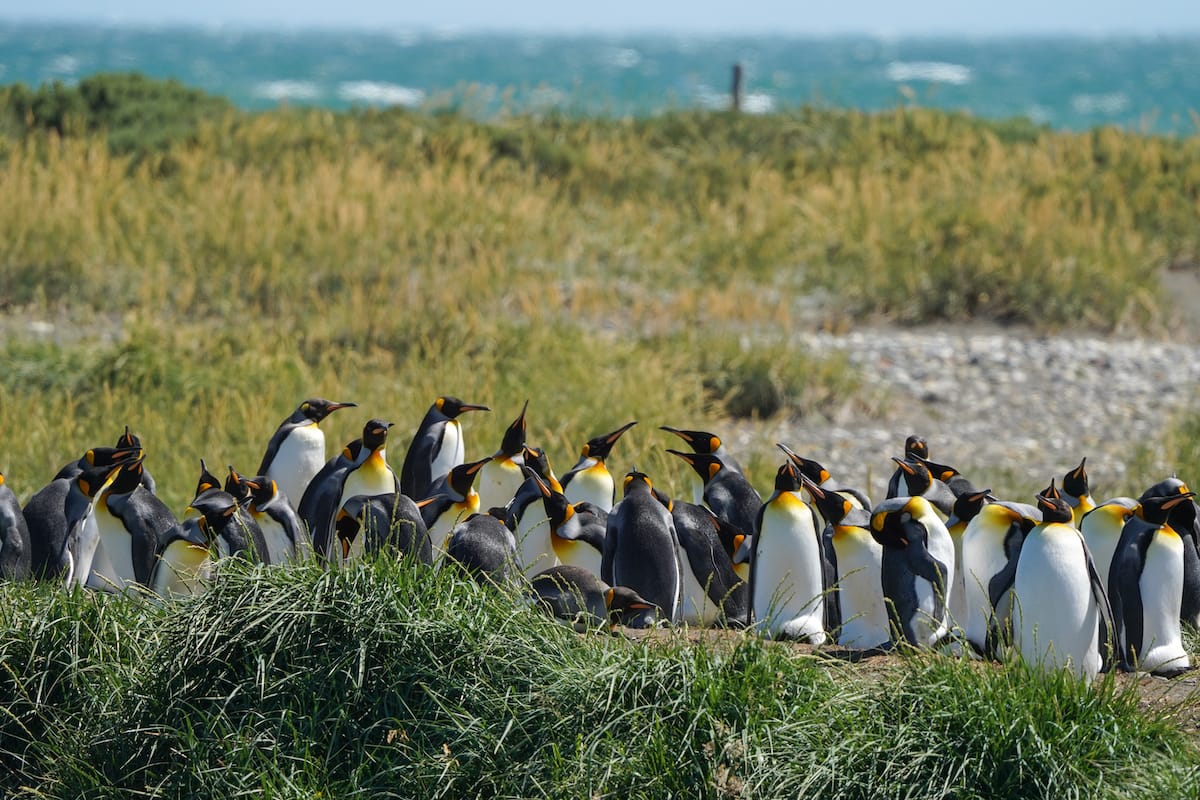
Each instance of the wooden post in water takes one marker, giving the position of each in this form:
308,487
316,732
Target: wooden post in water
736,91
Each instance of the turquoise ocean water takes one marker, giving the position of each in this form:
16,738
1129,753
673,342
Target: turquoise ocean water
1150,84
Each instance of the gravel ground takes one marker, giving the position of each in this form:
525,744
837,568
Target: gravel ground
1008,408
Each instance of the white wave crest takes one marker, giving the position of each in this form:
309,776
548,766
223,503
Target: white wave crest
623,57
933,71
287,90
380,93
1113,103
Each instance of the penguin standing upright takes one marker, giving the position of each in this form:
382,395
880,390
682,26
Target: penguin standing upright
1145,588
133,524
726,492
501,477
858,588
589,480
437,446
991,548
641,548
1185,520
917,569
966,507
571,533
713,593
86,528
787,573
451,499
1061,615
14,537
296,451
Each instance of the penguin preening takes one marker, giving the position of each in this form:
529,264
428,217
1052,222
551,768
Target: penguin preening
1145,588
502,475
283,532
641,548
296,451
917,569
14,537
1061,615
589,480
126,442
578,598
367,525
436,448
230,528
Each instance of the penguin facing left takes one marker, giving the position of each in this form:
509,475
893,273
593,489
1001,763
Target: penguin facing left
704,443
589,480
727,493
296,451
14,537
1145,588
917,569
915,447
502,475
1061,615
130,547
641,548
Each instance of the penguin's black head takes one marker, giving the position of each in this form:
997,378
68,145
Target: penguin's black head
894,521
787,479
237,486
832,506
214,507
536,460
558,508
318,408
106,456
916,446
636,481
968,505
129,473
375,434
262,489
452,406
1174,508
127,440
700,441
1075,482
207,480
941,472
627,607
916,475
813,470
1052,505
601,446
462,477
706,465
514,436
1,478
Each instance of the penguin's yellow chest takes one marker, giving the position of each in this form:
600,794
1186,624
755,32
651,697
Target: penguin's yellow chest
593,484
371,478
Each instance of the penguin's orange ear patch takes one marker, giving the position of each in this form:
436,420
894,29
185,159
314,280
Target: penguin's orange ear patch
713,469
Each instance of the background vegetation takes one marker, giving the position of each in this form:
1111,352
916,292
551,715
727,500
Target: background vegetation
170,263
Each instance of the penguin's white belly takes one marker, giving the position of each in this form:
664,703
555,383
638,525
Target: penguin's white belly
300,457
112,567
450,454
497,482
958,597
440,530
1055,619
593,485
933,618
860,593
182,569
533,540
87,541
983,557
1161,587
697,608
789,596
279,547
1102,543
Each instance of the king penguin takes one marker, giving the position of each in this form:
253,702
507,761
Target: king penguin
726,492
574,533
133,524
578,598
451,499
1061,616
991,548
1077,493
1101,530
230,528
1185,519
1145,588
127,441
14,537
918,481
704,443
437,446
917,569
858,588
86,528
484,546
283,532
368,525
915,447
817,474
787,573
296,451
712,591
589,480
641,548
185,561
502,475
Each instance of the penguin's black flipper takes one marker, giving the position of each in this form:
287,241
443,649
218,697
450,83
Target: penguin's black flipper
149,523
317,509
829,574
1107,625
921,561
1124,590
14,537
697,530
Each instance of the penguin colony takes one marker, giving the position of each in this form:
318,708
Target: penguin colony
1062,581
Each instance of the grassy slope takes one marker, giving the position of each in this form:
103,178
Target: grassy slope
383,681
